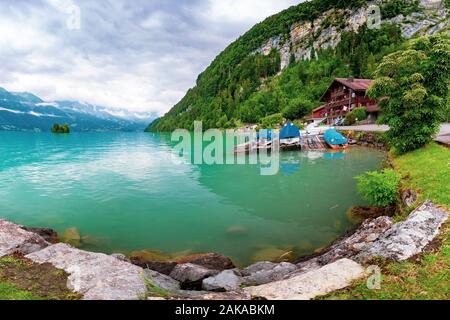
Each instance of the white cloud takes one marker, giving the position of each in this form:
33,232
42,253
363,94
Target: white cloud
140,55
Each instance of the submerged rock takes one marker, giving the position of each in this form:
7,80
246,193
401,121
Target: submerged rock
359,214
71,236
337,275
237,230
208,260
191,275
153,260
408,238
227,280
164,263
96,276
273,254
14,238
47,234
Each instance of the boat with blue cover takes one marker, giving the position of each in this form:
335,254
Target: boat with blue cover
290,135
335,140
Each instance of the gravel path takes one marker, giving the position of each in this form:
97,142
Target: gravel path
443,136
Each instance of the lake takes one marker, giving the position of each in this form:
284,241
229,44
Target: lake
124,192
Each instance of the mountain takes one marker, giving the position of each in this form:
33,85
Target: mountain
285,63
23,111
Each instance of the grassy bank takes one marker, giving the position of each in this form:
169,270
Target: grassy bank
20,279
427,276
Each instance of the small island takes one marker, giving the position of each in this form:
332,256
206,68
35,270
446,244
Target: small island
60,128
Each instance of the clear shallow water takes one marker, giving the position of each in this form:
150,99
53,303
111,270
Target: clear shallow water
123,193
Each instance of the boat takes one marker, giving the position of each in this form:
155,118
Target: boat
290,136
335,140
264,139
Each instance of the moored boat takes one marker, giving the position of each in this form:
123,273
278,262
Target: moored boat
335,140
290,136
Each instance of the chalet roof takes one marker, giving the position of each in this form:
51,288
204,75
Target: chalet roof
354,84
319,108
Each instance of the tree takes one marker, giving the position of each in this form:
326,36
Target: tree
415,83
298,108
60,129
358,114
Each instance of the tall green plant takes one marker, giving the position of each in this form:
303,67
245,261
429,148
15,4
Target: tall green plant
379,188
415,83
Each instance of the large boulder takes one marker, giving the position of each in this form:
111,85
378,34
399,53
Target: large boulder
164,267
161,281
257,267
329,278
163,263
96,276
191,275
47,234
407,238
208,260
14,238
227,280
267,274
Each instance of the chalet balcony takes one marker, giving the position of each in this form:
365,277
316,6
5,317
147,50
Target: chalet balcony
341,102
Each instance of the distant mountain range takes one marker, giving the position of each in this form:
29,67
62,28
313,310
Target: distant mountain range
23,111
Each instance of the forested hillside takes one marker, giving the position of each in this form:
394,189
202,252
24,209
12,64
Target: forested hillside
284,64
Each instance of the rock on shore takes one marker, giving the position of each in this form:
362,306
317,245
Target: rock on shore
94,275
14,239
407,238
337,275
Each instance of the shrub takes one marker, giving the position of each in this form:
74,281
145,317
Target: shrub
272,121
380,189
358,114
298,108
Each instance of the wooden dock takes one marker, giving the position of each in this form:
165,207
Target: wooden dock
313,142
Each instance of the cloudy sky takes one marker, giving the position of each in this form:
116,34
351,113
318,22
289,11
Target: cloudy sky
142,54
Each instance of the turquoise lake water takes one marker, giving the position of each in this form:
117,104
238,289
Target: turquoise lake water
123,192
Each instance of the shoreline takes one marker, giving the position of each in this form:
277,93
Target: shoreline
373,238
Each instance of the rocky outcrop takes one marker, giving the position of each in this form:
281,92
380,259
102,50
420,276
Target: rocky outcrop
94,275
47,234
164,267
265,272
191,275
14,239
165,264
227,280
212,261
306,37
98,276
161,281
407,238
335,276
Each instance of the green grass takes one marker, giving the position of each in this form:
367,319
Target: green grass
21,279
11,292
426,171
